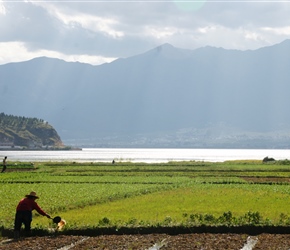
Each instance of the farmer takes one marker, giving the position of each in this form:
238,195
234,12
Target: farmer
4,164
24,214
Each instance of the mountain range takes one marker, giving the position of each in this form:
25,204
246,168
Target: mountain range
165,97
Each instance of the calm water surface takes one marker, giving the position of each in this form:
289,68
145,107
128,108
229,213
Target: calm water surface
146,155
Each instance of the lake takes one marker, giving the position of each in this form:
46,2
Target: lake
147,155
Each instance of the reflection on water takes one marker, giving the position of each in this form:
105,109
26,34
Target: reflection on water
146,155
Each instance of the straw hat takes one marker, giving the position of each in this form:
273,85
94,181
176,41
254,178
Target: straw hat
32,194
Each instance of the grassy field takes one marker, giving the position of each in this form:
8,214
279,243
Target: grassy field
89,195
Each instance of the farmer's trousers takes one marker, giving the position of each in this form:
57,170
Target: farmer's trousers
24,217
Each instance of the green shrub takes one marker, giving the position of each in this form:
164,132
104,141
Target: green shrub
104,222
252,218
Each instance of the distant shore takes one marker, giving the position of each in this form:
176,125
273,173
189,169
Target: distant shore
42,149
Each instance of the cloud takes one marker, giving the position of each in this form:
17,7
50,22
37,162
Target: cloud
86,21
278,31
2,9
100,31
17,52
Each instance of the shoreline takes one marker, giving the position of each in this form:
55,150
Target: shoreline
41,149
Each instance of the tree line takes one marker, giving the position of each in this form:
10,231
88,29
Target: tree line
19,122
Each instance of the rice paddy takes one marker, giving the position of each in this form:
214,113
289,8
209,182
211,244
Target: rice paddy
90,195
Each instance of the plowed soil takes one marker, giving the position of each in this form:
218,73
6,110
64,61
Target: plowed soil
146,241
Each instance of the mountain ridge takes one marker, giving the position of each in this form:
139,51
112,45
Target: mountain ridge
163,89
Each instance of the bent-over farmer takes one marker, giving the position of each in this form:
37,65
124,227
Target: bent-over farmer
4,164
24,213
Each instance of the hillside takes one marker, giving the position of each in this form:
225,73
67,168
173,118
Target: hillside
165,97
30,133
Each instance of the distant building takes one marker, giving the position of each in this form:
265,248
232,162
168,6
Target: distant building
4,145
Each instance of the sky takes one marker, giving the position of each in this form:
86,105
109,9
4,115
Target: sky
97,32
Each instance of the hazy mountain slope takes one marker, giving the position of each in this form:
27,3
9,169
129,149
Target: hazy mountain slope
164,89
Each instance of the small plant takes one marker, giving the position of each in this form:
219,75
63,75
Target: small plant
252,218
105,221
132,221
209,219
167,220
227,218
284,219
195,218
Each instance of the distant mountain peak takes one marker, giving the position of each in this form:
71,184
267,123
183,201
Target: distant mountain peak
168,51
165,46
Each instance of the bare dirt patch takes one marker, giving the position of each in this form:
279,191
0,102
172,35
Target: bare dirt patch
141,242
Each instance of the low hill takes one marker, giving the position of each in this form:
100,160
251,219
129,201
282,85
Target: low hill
31,133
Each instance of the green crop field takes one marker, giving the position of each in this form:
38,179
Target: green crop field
90,195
